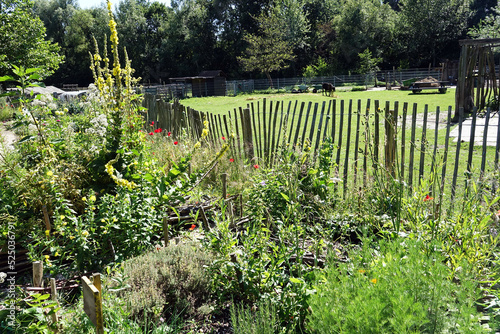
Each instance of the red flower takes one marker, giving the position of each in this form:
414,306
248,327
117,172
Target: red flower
255,166
231,160
150,133
176,142
158,130
428,198
223,138
169,133
193,226
152,123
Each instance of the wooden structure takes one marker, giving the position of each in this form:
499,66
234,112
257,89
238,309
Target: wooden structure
368,137
207,83
477,80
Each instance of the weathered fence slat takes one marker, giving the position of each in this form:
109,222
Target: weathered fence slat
305,125
339,142
367,143
347,146
471,141
412,145
485,142
457,157
423,146
356,143
403,141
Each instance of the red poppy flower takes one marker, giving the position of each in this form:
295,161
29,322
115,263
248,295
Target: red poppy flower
158,130
428,198
150,133
169,134
152,123
231,160
255,166
176,142
223,138
193,226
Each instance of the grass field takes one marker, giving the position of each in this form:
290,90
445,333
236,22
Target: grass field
419,151
221,104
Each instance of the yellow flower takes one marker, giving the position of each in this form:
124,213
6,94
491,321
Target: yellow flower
197,145
64,223
49,173
103,220
85,233
57,253
374,281
47,232
84,199
62,217
71,237
92,198
152,208
47,257
115,220
362,271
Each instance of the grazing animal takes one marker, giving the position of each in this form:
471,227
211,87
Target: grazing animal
328,87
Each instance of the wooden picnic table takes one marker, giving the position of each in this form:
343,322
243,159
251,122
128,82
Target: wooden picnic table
417,87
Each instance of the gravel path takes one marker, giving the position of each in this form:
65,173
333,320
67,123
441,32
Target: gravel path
7,139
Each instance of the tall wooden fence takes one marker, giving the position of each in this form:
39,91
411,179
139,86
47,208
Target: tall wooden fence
409,142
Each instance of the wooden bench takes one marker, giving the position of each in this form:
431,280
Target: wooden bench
417,87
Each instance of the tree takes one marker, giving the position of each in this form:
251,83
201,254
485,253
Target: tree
489,27
429,29
22,40
269,50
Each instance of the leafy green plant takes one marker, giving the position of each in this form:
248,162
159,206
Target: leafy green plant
169,282
395,287
260,319
32,314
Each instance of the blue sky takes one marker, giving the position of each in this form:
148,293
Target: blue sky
97,3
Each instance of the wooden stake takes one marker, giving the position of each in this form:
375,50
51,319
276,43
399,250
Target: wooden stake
37,274
53,292
224,185
92,304
165,231
46,217
204,219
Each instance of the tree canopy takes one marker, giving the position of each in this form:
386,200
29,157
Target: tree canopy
22,40
190,36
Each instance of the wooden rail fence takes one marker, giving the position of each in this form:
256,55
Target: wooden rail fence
410,144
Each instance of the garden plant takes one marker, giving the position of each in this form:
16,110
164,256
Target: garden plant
293,256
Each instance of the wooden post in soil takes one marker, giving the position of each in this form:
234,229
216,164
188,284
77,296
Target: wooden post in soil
53,293
224,185
165,231
37,274
46,218
92,301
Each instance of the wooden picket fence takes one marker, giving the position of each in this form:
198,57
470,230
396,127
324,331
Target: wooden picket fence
406,143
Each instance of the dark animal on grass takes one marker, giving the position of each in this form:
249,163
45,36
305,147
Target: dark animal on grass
328,88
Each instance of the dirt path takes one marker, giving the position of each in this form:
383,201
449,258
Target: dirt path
7,139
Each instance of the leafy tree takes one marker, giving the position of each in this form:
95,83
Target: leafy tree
356,26
489,27
368,64
268,51
22,40
428,29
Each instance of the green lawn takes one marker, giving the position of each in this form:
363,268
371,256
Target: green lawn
225,103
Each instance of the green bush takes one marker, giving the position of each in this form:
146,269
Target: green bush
400,290
168,282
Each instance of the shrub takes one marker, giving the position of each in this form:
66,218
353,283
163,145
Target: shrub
168,282
402,290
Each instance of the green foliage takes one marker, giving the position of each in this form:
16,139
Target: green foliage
22,40
299,185
32,314
260,319
169,282
268,51
394,288
318,69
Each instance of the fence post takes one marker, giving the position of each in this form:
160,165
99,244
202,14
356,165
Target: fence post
390,145
247,134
